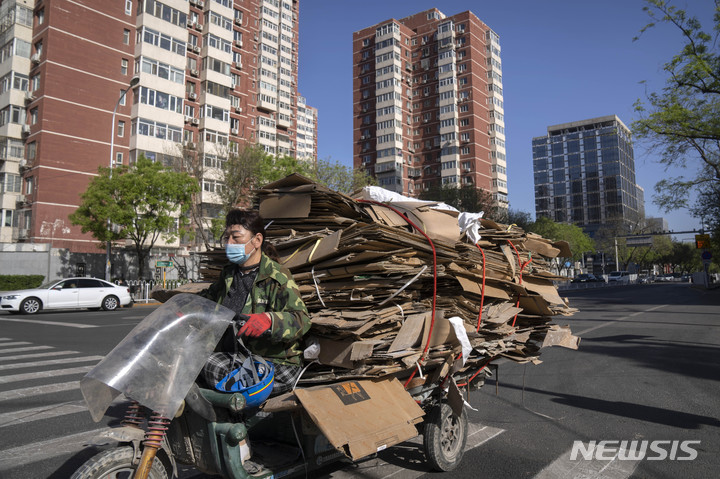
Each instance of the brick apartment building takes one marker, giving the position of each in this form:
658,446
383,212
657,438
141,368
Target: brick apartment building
210,75
428,103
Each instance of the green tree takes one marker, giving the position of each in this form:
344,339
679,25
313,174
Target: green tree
466,198
337,176
579,242
144,202
682,121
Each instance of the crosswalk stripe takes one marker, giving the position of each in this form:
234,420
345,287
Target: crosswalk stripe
39,390
20,350
5,339
37,355
41,413
50,323
51,362
17,343
38,451
565,466
51,373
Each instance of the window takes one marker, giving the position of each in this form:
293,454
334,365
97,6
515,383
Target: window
123,96
35,82
118,158
124,66
41,16
31,150
126,36
128,7
121,128
33,116
8,218
29,185
38,48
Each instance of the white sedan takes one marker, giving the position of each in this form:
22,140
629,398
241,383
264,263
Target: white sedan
71,293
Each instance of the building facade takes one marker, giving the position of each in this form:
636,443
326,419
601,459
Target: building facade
202,78
428,104
584,174
307,127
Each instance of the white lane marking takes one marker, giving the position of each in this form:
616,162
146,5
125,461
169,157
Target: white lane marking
615,320
38,451
39,390
51,323
563,466
41,364
51,373
46,354
41,413
16,343
20,350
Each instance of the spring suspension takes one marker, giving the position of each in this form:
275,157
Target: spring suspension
157,425
134,415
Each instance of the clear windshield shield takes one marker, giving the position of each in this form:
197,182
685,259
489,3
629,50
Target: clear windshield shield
160,358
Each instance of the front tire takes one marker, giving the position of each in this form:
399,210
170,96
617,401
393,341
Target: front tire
116,463
445,437
30,306
110,303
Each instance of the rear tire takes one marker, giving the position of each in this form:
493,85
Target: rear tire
116,463
110,303
445,437
30,306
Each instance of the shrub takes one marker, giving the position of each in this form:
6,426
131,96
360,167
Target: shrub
11,282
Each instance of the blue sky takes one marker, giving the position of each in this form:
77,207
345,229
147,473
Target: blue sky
563,60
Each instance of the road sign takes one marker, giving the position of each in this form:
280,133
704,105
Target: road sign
639,241
702,241
706,256
163,264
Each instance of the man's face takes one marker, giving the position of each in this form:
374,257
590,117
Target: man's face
237,234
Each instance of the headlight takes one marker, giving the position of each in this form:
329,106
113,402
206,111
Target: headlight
12,296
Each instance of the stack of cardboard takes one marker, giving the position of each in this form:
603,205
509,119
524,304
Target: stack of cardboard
370,280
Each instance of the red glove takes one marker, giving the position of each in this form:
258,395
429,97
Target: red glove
255,325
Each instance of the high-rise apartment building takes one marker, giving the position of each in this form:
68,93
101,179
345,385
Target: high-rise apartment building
428,103
202,77
585,174
307,117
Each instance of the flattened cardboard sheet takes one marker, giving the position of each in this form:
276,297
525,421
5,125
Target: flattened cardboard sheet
361,418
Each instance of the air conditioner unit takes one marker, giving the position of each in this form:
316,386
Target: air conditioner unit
200,3
238,109
194,73
26,129
237,65
29,96
195,121
197,26
238,43
190,145
235,131
196,49
192,96
35,58
21,199
193,2
238,21
23,233
188,119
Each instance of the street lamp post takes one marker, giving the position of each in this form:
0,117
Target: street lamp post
133,83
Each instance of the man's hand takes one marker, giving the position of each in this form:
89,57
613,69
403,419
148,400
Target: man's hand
255,325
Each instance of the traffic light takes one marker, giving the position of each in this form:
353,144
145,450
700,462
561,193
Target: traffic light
702,241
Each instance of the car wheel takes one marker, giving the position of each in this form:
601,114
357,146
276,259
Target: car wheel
30,306
110,303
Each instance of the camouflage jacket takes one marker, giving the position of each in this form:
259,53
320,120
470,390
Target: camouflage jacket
276,293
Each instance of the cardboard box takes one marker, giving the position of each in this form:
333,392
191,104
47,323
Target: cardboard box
363,417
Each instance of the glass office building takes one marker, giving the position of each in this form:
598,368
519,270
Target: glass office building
584,174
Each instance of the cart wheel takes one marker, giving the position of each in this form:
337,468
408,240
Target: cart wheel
116,463
444,437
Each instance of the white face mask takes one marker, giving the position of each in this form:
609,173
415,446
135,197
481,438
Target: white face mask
237,253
